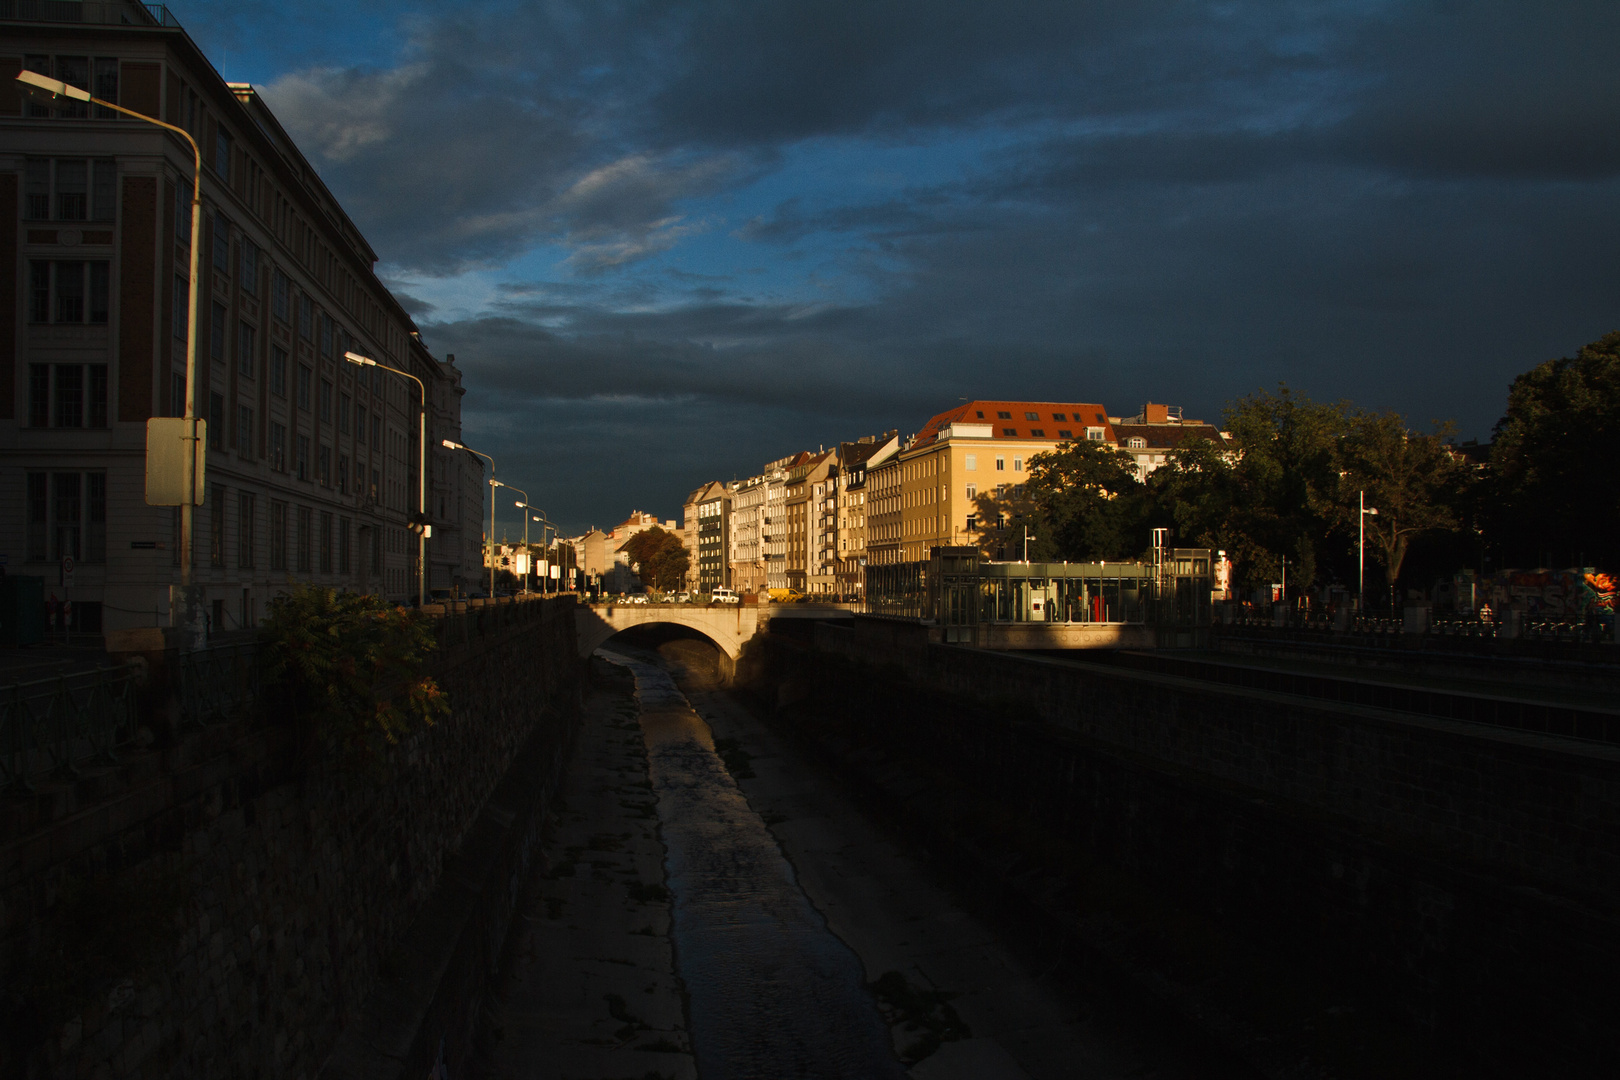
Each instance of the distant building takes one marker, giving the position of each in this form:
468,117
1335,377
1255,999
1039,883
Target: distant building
972,451
854,458
803,517
746,534
1150,435
708,516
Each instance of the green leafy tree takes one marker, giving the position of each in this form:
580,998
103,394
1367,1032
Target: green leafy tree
1085,501
1551,490
350,666
1413,480
659,558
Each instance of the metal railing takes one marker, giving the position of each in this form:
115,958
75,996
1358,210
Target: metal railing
55,725
464,622
218,683
1569,629
92,12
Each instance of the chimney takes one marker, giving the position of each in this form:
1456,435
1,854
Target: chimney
1155,414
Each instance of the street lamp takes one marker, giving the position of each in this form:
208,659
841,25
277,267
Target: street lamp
1361,549
451,445
421,527
528,558
523,503
48,91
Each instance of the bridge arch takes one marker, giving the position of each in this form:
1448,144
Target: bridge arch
728,626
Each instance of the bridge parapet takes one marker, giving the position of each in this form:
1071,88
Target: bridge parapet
727,625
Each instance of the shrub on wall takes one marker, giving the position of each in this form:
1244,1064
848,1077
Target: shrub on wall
349,666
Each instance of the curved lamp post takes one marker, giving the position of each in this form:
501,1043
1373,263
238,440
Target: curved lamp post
48,91
527,557
422,529
451,445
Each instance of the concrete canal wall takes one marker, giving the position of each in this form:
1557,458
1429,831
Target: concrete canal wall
1462,874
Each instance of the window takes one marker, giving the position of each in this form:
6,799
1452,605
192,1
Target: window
216,526
1009,432
326,335
69,189
67,395
1032,416
1003,416
280,287
1037,433
376,484
106,86
343,545
182,212
278,535
278,371
343,474
360,423
972,491
1095,434
244,433
216,331
303,457
222,154
216,422
67,292
972,522
180,310
980,414
376,550
305,538
177,393
67,516
1018,464
1060,417
222,244
326,542
305,316
244,530
305,378
376,432
245,341
1065,433
278,447
323,465
1138,443
1001,464
343,413
75,71
326,401
249,277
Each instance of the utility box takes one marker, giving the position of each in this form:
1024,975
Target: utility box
22,610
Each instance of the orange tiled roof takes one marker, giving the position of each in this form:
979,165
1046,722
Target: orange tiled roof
1054,421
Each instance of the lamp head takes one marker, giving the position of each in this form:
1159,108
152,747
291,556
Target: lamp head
356,358
44,90
450,445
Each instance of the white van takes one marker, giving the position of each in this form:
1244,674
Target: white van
724,595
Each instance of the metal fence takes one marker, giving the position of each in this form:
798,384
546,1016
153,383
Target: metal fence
97,12
218,683
53,726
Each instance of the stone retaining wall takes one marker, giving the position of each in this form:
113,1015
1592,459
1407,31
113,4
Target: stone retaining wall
227,907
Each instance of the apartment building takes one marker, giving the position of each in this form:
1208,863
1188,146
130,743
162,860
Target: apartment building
775,537
708,517
854,459
310,461
746,536
883,499
1151,434
803,514
977,449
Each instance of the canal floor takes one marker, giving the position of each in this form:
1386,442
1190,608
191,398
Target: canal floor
763,926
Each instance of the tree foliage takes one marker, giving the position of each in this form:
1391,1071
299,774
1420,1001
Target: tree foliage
350,665
1551,494
1086,505
659,558
1414,482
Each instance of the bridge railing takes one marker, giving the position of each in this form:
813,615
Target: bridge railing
55,725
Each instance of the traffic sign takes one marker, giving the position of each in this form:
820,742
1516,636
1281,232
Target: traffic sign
67,570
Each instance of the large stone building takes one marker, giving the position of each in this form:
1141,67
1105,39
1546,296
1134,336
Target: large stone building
747,535
310,461
707,517
977,449
854,459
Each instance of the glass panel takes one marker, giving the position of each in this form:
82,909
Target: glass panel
97,414
69,395
98,294
103,183
38,515
95,499
39,395
37,190
66,511
75,71
106,86
39,291
72,189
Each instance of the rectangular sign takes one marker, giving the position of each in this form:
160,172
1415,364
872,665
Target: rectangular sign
170,448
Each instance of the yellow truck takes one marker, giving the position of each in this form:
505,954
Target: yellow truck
785,596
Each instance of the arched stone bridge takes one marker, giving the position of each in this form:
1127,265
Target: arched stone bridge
727,625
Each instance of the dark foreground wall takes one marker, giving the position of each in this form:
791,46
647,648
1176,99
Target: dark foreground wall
230,907
1464,876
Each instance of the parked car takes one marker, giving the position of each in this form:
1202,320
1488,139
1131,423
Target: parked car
786,596
723,595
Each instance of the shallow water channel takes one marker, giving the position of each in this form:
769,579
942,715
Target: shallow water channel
771,990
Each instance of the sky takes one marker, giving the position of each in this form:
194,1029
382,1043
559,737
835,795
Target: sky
668,242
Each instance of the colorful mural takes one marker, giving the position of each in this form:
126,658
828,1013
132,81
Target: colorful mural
1576,591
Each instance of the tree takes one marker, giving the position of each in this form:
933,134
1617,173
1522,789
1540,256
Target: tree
1552,492
1413,480
659,558
1086,502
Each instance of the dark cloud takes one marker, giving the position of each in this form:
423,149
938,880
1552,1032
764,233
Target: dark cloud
1401,204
